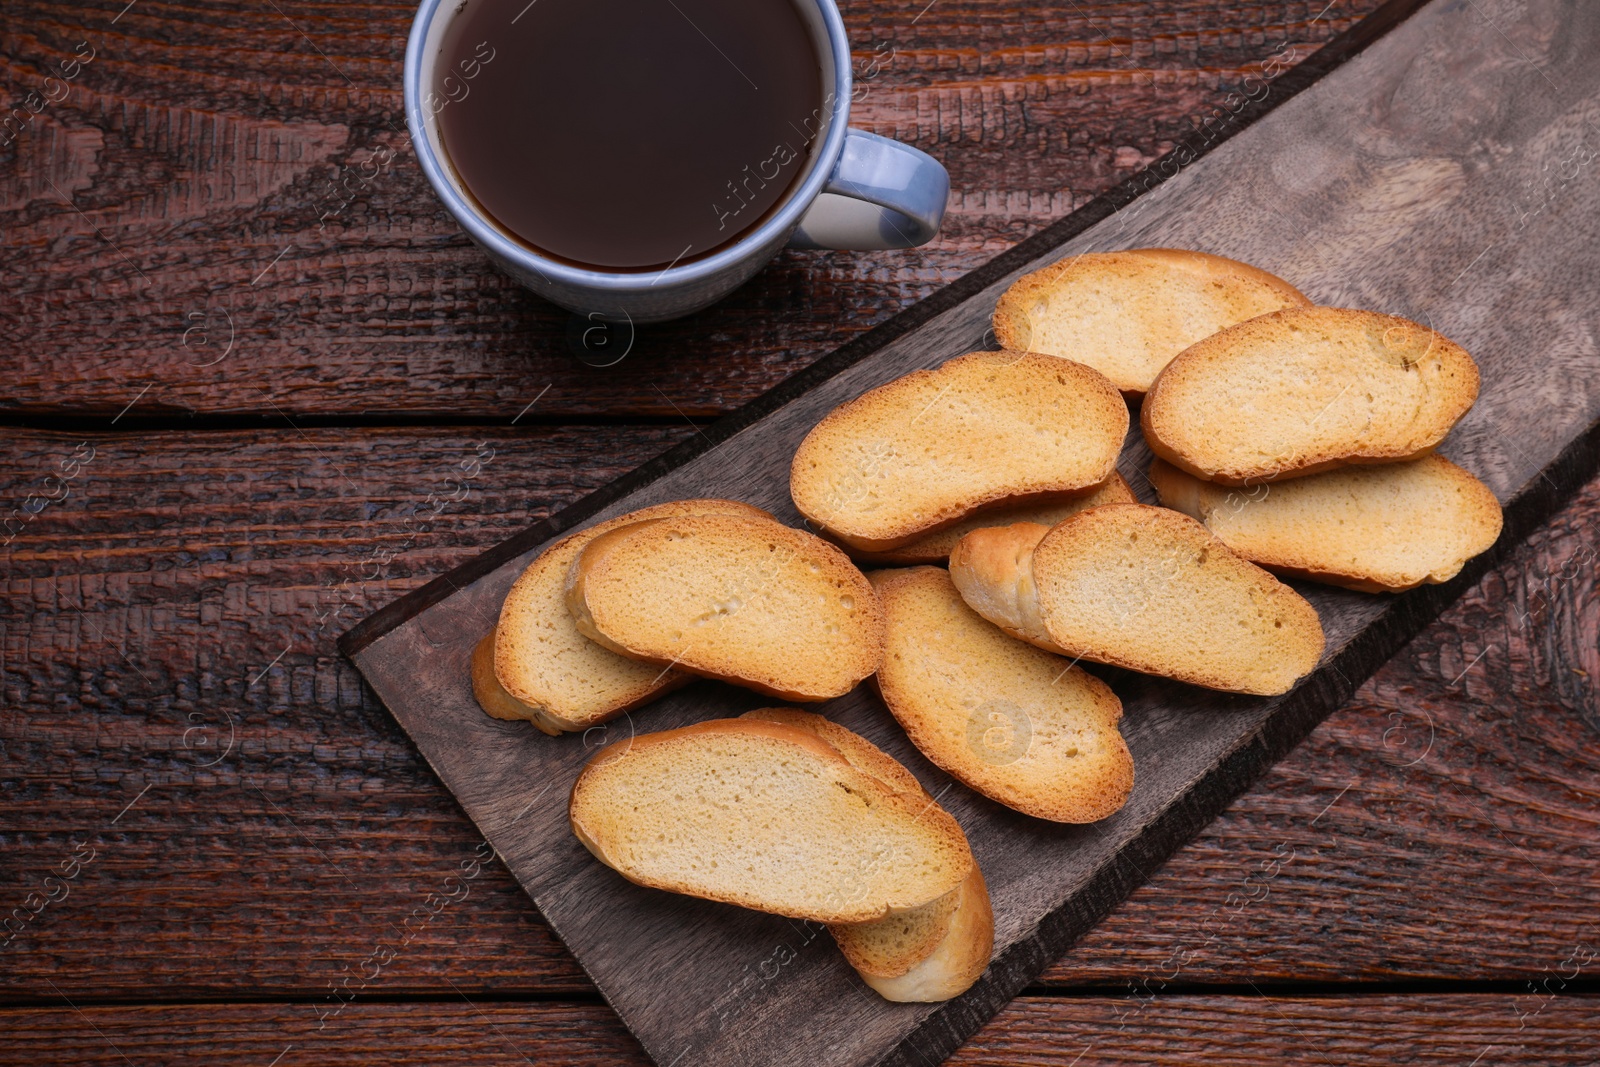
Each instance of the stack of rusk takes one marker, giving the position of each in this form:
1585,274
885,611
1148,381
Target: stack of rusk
1293,440
1302,436
779,810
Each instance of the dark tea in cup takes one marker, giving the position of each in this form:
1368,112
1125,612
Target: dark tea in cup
628,135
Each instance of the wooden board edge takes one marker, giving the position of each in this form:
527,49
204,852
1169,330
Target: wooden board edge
1321,694
1291,83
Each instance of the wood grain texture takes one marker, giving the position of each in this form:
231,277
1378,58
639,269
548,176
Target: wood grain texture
211,889
1344,191
216,137
1031,1032
223,206
169,623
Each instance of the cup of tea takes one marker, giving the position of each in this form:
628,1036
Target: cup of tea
640,159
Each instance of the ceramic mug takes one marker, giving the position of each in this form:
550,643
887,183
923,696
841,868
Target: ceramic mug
857,191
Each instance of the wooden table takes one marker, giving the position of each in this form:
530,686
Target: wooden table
257,385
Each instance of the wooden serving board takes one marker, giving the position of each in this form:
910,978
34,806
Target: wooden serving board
1446,172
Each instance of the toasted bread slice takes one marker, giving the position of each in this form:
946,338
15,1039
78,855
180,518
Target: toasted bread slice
746,600
1375,529
1143,588
1307,390
1018,725
863,755
935,547
766,816
957,961
993,571
891,947
1126,314
930,953
924,451
535,665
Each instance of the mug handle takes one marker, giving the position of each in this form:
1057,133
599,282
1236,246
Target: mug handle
882,194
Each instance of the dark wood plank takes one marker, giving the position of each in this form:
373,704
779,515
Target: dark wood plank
168,625
1548,1030
1372,190
1250,1031
231,880
199,145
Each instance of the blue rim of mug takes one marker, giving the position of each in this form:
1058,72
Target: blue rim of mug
777,225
